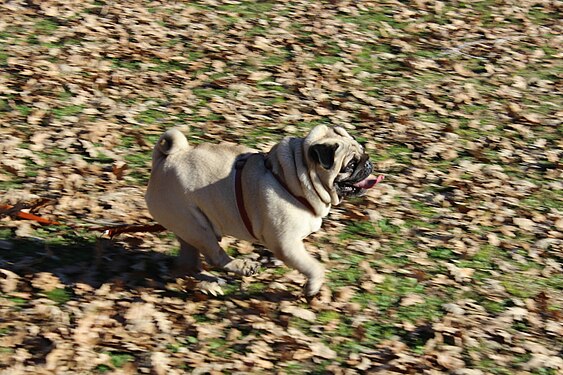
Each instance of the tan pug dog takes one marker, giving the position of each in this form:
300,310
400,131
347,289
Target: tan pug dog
204,192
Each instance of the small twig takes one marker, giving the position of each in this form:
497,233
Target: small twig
14,211
113,231
110,230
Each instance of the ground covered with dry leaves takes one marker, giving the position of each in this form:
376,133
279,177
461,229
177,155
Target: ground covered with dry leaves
452,265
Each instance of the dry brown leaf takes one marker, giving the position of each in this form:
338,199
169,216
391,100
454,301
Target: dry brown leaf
8,281
259,76
523,223
46,281
161,364
321,350
139,317
462,71
460,274
449,361
412,299
299,312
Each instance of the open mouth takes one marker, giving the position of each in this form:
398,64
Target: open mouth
348,188
369,182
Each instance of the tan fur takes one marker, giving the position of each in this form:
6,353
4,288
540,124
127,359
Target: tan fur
191,192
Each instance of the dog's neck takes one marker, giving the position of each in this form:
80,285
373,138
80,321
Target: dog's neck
290,173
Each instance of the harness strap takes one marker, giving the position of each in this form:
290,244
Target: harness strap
239,165
301,200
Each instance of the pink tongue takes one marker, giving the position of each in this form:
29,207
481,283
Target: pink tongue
369,182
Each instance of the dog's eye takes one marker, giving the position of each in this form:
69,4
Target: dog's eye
351,166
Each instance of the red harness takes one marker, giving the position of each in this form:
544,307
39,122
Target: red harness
239,165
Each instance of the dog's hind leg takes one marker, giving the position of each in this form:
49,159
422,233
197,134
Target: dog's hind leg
189,263
189,260
203,239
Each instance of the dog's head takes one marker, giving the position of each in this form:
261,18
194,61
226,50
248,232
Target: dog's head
339,163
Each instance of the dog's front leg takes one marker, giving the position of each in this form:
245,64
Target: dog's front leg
295,255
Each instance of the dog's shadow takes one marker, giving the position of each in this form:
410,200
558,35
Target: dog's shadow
120,264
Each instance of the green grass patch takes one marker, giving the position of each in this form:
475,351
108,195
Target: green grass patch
399,152
248,9
293,367
102,369
15,183
324,60
119,359
423,209
386,227
256,287
492,306
390,291
358,230
69,110
3,58
259,134
126,64
273,88
371,20
46,26
544,199
24,110
343,277
151,116
484,260
208,93
441,253
17,300
429,310
166,66
275,59
520,288
59,295
327,316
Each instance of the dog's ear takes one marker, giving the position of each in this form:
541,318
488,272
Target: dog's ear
323,153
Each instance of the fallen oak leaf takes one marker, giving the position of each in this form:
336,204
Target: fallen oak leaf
118,169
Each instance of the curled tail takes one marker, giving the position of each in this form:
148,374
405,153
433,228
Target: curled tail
169,143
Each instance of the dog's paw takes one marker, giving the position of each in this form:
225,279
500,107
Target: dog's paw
313,287
244,267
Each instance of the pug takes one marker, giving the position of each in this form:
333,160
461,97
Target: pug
203,192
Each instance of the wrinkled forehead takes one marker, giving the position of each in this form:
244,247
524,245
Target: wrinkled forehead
353,146
349,149
352,149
